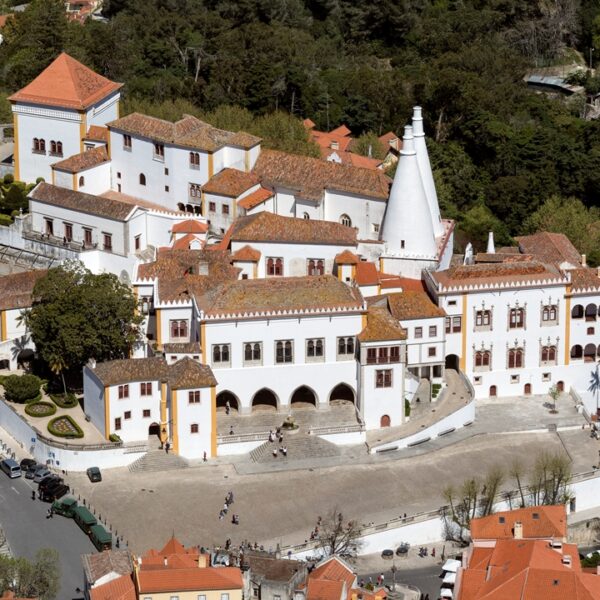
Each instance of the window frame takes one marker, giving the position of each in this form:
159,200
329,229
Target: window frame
221,355
286,354
176,327
194,397
384,378
123,391
314,349
252,347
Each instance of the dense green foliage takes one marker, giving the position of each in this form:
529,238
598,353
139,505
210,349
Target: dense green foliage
24,388
77,315
37,578
499,150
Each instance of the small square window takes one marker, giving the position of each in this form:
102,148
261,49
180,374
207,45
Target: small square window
146,413
212,206
166,171
451,302
127,414
432,331
166,188
501,520
590,330
546,377
477,380
514,379
418,332
118,174
431,351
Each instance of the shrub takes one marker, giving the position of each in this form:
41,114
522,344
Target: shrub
68,401
113,437
40,409
5,220
65,426
25,388
406,407
9,178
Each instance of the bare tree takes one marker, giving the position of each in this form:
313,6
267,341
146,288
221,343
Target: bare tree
337,536
550,478
517,472
491,488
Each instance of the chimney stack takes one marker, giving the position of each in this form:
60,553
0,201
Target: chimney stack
583,260
491,248
518,530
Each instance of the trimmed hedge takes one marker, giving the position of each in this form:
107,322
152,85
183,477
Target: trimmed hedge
69,401
34,409
113,437
24,388
64,426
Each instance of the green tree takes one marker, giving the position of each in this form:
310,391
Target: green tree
39,578
368,144
77,315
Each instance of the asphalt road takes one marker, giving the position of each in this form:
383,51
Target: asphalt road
27,530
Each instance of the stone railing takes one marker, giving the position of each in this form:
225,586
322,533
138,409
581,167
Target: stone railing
336,429
53,240
243,437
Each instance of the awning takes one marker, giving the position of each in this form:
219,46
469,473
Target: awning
449,577
451,565
446,593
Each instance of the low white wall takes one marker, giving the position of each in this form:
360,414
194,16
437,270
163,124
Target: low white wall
456,420
342,439
238,447
59,455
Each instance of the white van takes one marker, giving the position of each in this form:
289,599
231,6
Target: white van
11,468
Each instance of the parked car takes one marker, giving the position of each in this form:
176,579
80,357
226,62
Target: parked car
11,467
48,481
94,474
27,463
65,506
40,474
54,491
30,472
387,554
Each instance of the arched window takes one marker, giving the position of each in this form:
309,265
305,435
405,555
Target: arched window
591,311
81,181
311,267
270,266
52,147
483,358
59,148
577,312
42,145
548,354
319,348
306,216
346,220
278,267
320,267
36,145
576,352
549,313
142,179
194,160
483,318
516,318
589,353
194,428
181,206
515,358
247,351
217,354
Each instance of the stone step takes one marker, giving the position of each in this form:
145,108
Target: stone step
299,446
158,460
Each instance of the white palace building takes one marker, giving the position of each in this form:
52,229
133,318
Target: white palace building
268,279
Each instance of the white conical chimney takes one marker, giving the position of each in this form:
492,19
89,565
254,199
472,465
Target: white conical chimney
491,248
426,172
407,226
468,259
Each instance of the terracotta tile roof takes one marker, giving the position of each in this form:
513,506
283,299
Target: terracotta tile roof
68,84
273,569
3,19
390,139
308,124
584,278
246,253
549,247
188,374
280,294
184,374
351,158
230,182
83,161
16,289
182,274
188,132
324,589
392,281
342,130
190,226
346,258
121,588
268,227
367,273
381,327
538,522
97,133
255,198
134,201
507,272
100,564
193,579
80,202
181,348
413,305
334,569
312,176
187,242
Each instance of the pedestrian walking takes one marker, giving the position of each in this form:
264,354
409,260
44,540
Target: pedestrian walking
227,407
221,515
271,436
33,494
281,438
204,458
167,447
284,450
433,552
274,452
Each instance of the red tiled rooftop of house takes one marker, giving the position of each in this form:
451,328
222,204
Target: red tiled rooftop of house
190,226
324,589
366,273
346,257
394,281
97,134
334,569
411,304
255,198
156,581
83,161
230,182
121,588
550,247
381,327
246,253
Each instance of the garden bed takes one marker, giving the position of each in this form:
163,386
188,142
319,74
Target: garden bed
68,401
40,409
64,426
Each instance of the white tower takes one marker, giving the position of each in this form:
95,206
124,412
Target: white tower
407,224
426,173
491,247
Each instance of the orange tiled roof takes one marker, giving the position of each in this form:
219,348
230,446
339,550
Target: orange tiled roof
584,278
413,305
393,281
334,569
97,134
346,258
246,253
66,83
351,158
255,198
269,227
280,294
538,522
324,589
549,247
83,161
390,139
190,226
16,289
187,242
381,327
308,124
189,132
312,176
193,579
121,588
230,182
366,273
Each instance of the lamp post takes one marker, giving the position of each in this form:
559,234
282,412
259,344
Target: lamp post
393,570
591,59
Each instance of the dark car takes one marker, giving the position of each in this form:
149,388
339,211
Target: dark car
27,463
94,474
48,481
54,491
30,471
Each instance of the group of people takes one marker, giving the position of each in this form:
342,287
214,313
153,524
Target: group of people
235,519
277,436
314,534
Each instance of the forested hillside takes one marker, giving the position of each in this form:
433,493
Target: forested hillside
500,151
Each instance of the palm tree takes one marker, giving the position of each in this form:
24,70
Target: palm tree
58,365
595,384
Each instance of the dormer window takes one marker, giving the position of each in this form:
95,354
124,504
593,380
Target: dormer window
335,145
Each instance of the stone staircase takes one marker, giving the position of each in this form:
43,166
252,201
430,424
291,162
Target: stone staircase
299,446
158,460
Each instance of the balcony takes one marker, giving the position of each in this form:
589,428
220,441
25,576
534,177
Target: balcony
53,240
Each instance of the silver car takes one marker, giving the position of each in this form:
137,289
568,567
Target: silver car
40,474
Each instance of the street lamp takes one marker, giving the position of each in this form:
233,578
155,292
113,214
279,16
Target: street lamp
393,570
591,54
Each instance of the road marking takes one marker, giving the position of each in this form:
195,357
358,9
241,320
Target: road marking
15,490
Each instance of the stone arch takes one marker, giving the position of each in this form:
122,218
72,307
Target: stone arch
154,429
264,400
452,362
493,391
343,393
591,312
304,395
576,351
577,312
227,396
527,389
